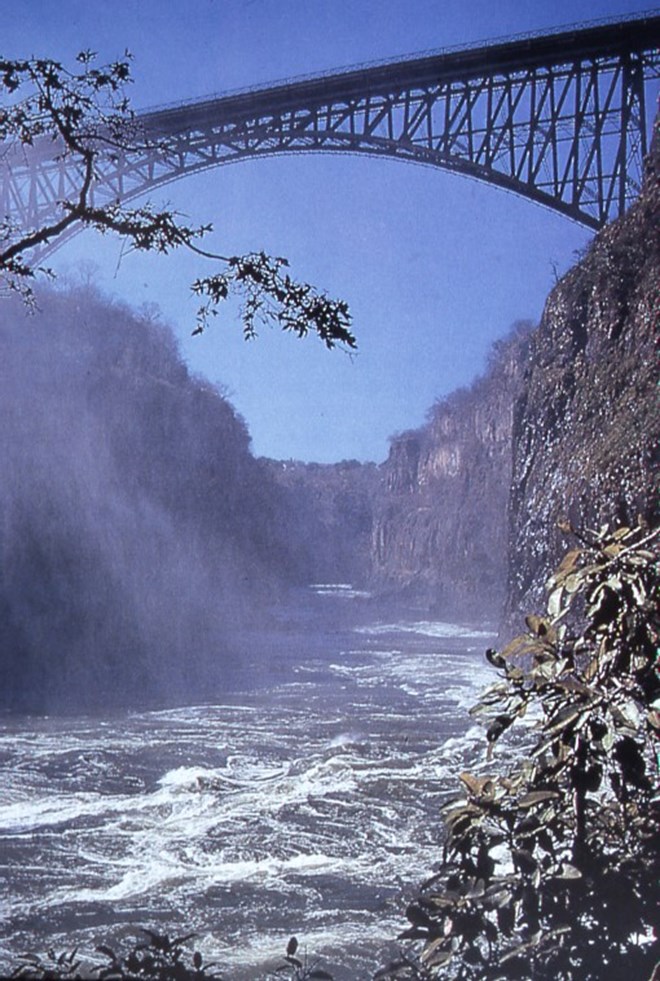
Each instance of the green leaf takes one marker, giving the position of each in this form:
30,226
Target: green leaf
445,900
524,859
498,726
497,897
574,582
567,564
477,786
495,658
554,602
108,951
521,646
627,714
569,871
564,718
542,628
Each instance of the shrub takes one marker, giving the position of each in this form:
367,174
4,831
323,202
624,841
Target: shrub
160,958
551,868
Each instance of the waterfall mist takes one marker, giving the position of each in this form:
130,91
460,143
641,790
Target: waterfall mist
136,530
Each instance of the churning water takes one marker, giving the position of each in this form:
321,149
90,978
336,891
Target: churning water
306,805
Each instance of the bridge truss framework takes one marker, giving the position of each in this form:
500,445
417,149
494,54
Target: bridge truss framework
561,119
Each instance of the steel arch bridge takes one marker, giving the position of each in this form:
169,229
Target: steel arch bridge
559,118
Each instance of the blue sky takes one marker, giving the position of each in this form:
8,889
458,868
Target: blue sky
435,266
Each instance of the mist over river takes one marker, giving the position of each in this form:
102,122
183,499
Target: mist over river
305,802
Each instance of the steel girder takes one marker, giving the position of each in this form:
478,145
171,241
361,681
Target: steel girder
560,119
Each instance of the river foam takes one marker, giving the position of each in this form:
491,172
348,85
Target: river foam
309,808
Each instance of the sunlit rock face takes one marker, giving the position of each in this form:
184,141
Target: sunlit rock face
587,424
440,527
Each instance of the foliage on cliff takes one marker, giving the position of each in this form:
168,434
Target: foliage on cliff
551,866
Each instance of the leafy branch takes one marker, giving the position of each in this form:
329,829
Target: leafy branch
551,868
84,120
272,296
158,958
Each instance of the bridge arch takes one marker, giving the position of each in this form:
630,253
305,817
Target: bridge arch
558,118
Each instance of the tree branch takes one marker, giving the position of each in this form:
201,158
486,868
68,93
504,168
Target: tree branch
89,116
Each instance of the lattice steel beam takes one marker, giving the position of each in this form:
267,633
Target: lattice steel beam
560,119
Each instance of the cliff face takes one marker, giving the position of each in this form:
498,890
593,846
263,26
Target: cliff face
587,423
327,514
439,529
137,532
565,424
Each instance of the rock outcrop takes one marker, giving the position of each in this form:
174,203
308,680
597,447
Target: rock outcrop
587,424
440,533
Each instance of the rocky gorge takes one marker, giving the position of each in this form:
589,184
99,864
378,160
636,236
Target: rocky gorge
562,427
136,522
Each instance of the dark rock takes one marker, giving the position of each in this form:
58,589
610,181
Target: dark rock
587,423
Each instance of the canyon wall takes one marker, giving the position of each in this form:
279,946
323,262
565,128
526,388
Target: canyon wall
137,532
565,424
327,516
587,424
440,534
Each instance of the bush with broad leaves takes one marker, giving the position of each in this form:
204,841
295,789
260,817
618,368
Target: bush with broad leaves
552,864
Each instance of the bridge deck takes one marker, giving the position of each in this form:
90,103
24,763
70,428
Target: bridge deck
560,118
601,41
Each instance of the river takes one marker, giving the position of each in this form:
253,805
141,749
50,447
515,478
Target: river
305,802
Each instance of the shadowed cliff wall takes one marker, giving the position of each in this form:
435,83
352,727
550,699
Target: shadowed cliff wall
137,532
587,424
